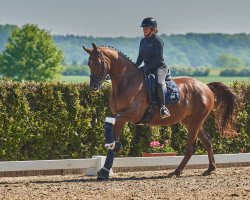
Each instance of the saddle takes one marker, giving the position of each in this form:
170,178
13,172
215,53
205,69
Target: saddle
171,90
171,95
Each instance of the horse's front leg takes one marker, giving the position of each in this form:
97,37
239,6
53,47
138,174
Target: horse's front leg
113,128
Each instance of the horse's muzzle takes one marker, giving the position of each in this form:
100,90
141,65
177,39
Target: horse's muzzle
94,87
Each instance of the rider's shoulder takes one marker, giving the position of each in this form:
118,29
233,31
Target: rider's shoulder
143,41
158,39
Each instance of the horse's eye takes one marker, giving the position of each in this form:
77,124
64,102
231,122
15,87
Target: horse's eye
96,62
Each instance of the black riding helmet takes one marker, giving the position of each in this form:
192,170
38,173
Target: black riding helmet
149,21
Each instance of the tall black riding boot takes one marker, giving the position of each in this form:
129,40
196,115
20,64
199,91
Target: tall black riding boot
164,112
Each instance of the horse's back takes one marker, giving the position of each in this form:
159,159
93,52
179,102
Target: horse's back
191,82
196,91
184,79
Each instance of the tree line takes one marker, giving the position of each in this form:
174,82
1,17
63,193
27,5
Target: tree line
191,49
31,53
188,50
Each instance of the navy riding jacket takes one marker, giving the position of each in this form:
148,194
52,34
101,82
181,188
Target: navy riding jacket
151,52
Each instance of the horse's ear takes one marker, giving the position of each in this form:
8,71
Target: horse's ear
87,50
94,47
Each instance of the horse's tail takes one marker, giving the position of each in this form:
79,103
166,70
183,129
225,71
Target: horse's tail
225,107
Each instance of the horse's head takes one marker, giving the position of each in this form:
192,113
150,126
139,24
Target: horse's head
98,68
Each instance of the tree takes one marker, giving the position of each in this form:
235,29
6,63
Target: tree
244,72
31,54
229,72
228,60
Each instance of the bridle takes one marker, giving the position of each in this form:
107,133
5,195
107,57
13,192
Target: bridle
100,78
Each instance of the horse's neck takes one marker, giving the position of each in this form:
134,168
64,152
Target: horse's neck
127,82
125,76
123,72
121,67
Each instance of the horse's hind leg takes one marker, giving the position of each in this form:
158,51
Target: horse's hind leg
207,143
192,136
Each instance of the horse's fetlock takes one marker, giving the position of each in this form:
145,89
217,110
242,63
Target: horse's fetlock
118,147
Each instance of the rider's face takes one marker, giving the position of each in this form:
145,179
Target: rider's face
147,31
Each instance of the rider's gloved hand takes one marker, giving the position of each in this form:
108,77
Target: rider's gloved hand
142,68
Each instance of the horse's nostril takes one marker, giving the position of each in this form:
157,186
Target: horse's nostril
94,87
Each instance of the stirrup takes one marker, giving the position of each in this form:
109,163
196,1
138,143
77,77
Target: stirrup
164,112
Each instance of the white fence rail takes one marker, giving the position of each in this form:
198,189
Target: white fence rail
95,163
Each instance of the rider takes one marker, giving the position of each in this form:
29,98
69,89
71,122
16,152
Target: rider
151,52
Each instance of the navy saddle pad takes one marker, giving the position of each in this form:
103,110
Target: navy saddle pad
171,94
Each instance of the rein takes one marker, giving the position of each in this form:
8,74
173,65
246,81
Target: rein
124,74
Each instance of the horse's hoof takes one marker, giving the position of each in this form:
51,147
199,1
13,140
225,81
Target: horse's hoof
102,178
172,174
102,175
207,172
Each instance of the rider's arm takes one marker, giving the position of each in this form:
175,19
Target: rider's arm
139,58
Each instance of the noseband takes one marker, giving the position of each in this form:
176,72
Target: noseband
100,78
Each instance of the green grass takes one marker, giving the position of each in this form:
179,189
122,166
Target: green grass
213,77
208,79
225,80
74,79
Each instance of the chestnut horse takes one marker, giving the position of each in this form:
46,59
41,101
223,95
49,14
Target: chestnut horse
129,101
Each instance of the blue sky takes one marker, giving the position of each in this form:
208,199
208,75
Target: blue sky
123,17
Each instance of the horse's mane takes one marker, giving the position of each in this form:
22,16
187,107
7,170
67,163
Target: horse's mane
121,53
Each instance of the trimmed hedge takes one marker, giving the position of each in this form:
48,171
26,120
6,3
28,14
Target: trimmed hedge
59,121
